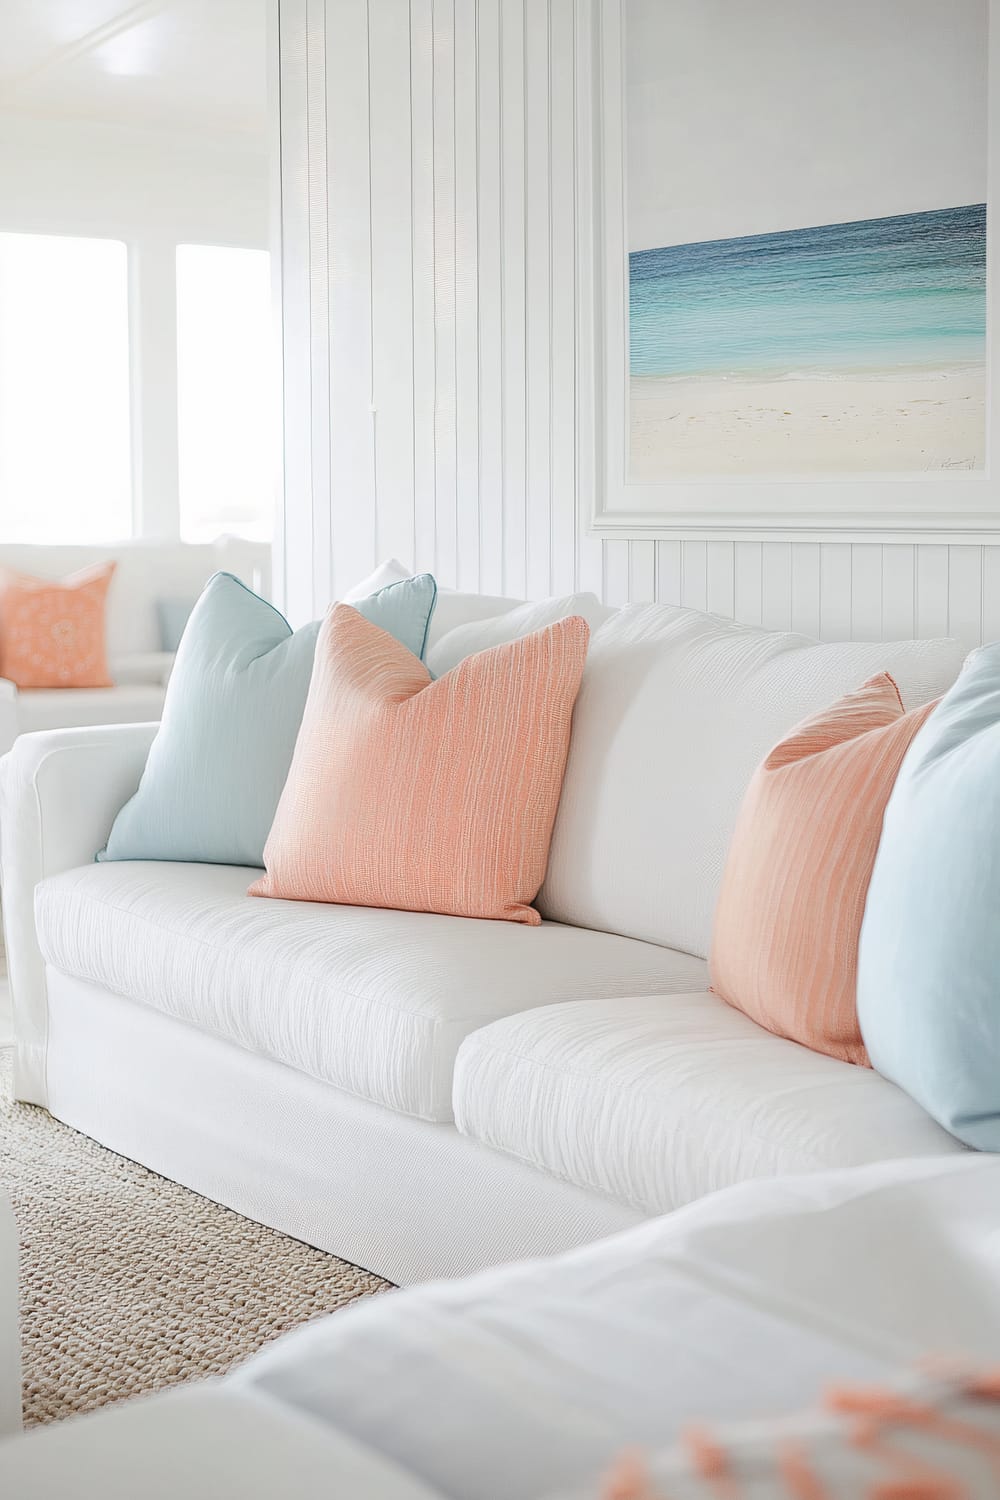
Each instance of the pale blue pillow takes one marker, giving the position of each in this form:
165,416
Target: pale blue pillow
929,957
231,716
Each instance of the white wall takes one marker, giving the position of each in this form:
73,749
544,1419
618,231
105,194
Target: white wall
428,203
153,189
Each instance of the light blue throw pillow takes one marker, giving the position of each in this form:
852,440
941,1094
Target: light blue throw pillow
231,716
929,957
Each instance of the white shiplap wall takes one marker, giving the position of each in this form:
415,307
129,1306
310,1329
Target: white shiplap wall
428,202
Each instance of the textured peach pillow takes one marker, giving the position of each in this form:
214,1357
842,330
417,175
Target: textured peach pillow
421,795
785,941
52,632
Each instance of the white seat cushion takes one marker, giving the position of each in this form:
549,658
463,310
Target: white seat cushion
675,712
70,708
660,1100
376,1002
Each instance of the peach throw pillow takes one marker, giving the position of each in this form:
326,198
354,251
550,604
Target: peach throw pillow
52,632
421,795
785,941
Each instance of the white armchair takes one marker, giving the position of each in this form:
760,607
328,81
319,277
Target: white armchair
146,572
59,793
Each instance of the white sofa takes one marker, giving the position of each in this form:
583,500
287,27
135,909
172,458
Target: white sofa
146,572
427,1095
524,1382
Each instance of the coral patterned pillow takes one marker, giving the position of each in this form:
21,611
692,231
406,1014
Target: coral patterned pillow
52,633
426,795
788,921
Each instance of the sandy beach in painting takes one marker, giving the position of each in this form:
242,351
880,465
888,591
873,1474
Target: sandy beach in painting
855,348
856,423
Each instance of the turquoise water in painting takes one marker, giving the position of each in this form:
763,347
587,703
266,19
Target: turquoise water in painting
877,295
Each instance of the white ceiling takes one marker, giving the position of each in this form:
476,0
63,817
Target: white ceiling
191,65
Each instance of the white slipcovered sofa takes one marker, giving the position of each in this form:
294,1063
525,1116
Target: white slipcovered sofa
524,1382
146,572
427,1095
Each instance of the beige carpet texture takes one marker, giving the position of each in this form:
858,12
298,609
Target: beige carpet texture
130,1283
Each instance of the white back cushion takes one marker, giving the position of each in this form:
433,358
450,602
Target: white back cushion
675,712
146,571
453,609
497,630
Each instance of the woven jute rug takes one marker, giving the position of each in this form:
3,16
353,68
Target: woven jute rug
130,1283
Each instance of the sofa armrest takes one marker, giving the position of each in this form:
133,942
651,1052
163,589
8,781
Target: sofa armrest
60,790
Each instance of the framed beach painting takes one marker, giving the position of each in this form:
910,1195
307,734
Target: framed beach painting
792,262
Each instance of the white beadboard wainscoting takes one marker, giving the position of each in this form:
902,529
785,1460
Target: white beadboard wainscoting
431,316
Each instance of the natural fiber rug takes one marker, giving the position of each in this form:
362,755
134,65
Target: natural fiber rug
130,1283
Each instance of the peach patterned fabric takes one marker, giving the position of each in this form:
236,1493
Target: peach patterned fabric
785,941
52,632
421,795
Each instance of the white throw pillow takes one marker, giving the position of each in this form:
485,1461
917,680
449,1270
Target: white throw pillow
454,609
676,710
497,630
390,571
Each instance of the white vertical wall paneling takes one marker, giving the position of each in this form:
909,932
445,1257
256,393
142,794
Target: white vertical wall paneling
991,593
467,496
805,587
490,404
776,586
589,550
866,592
668,572
694,575
513,193
320,278
617,573
898,592
965,594
538,292
721,579
348,336
392,284
430,188
748,582
562,300
422,250
642,572
445,341
835,584
932,591
293,578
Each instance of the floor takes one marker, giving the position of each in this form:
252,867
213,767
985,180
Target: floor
6,1020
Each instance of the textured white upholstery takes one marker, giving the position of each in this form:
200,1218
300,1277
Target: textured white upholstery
685,705
10,1340
658,1101
375,1002
516,1382
59,795
208,1443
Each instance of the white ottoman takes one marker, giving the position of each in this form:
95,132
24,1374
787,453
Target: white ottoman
10,1343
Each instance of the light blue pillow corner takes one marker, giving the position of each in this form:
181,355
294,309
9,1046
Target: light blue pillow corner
232,712
929,956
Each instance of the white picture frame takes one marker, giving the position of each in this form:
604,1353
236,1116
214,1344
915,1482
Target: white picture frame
932,506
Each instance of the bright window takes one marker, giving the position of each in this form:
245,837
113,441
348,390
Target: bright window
65,460
225,395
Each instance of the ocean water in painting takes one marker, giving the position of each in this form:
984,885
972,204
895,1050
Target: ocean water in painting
877,296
